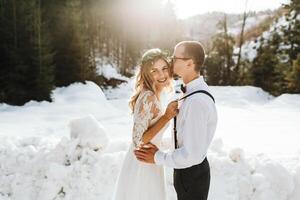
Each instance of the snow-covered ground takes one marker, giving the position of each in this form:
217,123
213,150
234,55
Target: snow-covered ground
73,147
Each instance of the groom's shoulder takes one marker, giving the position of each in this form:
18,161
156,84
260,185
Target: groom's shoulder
200,98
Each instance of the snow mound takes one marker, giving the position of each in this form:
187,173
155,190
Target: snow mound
238,175
74,169
78,92
45,118
287,101
240,95
272,180
89,132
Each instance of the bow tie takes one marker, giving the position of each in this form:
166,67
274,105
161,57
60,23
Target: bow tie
183,88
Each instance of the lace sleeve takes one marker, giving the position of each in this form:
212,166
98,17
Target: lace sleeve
146,109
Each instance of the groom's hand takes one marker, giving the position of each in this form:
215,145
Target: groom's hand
146,153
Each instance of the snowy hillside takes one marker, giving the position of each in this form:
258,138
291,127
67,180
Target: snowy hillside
249,49
203,27
235,29
73,147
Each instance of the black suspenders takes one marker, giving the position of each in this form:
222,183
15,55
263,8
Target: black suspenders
175,119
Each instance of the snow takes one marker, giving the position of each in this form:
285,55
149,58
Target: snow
51,119
73,147
89,132
108,70
249,49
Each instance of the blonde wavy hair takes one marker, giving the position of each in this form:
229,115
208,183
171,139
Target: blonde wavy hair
144,78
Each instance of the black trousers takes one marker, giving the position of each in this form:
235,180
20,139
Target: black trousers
192,183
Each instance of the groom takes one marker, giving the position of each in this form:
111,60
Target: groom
193,130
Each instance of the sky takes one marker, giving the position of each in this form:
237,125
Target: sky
187,8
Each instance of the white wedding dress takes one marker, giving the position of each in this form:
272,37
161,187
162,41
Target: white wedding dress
138,180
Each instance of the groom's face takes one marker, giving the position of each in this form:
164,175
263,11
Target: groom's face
179,61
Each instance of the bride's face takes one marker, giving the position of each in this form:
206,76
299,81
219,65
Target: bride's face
160,74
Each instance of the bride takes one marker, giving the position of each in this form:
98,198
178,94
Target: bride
138,180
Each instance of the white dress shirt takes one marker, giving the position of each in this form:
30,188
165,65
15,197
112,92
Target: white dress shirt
196,125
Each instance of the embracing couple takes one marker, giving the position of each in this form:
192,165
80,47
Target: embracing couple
195,119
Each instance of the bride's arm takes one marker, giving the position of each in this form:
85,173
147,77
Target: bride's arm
171,112
146,109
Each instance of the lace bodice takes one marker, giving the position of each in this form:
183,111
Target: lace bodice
146,112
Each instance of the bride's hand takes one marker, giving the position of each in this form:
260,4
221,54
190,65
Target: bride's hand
172,110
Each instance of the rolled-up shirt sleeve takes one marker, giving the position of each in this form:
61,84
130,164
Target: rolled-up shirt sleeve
195,140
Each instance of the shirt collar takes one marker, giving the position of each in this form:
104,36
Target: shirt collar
197,83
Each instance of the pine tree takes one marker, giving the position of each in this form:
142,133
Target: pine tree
237,72
265,66
213,68
294,76
292,30
26,56
220,64
42,57
69,41
291,39
14,69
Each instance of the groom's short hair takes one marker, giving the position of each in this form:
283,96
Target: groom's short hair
194,50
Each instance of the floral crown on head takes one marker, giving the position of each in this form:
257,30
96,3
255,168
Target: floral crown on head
153,54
